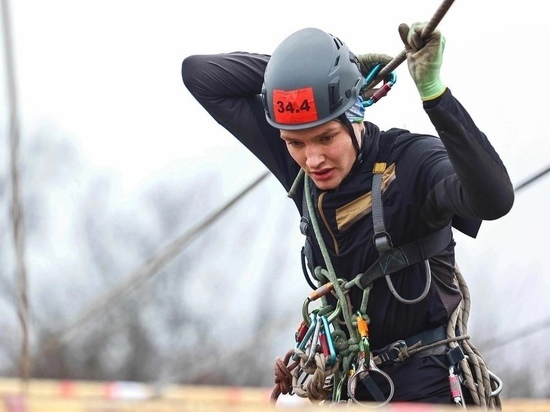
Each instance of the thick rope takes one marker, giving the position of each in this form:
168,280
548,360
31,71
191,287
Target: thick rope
283,376
314,388
329,273
474,368
288,376
343,298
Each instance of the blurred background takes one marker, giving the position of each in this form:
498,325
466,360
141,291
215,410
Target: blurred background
132,270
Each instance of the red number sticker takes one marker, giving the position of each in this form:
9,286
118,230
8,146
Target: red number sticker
294,106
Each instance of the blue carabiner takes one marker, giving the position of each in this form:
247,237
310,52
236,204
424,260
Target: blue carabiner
389,81
373,73
332,350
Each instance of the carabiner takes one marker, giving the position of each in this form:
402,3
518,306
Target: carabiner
314,340
372,74
305,306
361,374
498,381
302,344
332,350
389,81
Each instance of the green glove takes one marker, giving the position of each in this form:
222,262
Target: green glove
424,57
367,62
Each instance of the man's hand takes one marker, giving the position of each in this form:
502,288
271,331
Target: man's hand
424,57
369,61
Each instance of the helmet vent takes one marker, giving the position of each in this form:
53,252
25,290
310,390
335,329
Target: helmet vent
353,58
337,42
335,100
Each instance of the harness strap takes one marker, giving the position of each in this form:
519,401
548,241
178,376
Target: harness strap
399,258
398,351
394,259
373,388
382,239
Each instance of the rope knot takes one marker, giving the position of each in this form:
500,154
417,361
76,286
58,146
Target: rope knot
283,376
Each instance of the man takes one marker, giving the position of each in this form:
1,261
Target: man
301,110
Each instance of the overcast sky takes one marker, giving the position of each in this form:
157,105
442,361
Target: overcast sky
108,74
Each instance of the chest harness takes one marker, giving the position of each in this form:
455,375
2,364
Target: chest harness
332,352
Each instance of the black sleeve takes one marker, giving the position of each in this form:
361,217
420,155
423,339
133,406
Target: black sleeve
228,86
480,187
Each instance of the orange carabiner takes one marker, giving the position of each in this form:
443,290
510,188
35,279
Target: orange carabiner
362,326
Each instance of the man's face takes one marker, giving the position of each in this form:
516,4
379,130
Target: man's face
325,152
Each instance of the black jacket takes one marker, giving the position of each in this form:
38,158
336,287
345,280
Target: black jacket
430,183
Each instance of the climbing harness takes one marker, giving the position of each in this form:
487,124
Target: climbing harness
347,357
328,358
332,354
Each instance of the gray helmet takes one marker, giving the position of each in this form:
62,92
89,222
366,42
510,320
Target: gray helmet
310,79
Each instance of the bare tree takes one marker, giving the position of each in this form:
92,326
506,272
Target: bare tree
217,313
198,307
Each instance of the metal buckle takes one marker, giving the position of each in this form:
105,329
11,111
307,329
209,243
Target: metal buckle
396,349
391,352
382,241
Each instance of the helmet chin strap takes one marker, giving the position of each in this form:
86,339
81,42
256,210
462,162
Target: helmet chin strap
358,153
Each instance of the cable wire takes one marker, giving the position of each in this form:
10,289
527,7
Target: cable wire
532,179
143,273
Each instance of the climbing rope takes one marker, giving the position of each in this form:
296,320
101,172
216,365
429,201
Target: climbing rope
484,386
291,378
315,376
283,375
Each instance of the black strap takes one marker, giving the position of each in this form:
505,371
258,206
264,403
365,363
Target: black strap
399,258
381,238
397,351
307,252
373,388
392,259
